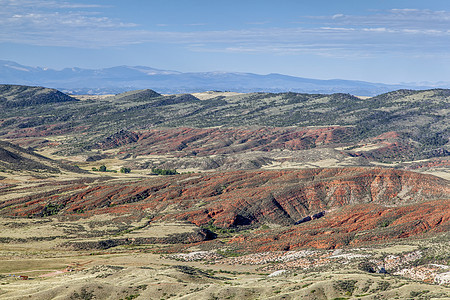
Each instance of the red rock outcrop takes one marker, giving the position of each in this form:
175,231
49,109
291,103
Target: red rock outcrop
241,197
352,226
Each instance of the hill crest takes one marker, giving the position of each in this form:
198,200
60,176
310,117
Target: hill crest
22,96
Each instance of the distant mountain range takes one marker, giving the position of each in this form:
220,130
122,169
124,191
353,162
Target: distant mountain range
125,78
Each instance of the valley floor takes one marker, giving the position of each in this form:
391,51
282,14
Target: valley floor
137,274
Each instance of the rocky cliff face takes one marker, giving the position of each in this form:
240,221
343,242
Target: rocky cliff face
353,225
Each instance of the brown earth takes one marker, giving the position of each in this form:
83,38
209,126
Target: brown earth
98,234
218,141
181,142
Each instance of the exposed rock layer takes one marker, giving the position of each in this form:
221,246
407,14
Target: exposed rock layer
362,205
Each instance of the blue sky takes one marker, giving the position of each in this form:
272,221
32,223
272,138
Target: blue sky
373,40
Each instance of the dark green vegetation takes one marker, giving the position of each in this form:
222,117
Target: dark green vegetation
103,168
51,209
125,170
163,171
419,117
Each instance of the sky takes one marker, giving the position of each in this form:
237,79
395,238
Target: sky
387,41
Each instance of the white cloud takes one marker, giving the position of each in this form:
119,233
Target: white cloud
379,29
398,32
404,10
398,19
45,4
23,15
336,16
338,28
58,23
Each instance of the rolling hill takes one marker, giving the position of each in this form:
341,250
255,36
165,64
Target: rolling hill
397,126
21,96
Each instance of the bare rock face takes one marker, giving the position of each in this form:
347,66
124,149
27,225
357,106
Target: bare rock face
354,225
346,206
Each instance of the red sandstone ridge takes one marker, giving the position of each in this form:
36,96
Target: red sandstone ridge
363,205
242,197
204,142
209,141
352,226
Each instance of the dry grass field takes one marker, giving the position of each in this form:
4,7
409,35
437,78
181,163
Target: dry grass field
136,272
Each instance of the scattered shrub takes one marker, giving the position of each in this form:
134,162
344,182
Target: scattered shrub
125,170
157,171
346,286
367,267
52,209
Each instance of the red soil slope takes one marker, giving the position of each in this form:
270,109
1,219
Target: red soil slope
208,141
191,142
182,142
